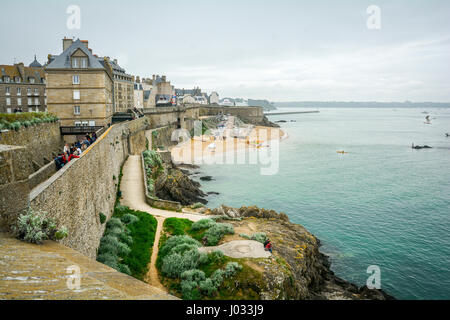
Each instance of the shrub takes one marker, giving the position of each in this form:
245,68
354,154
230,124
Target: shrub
217,277
203,224
124,269
216,256
123,237
197,205
35,227
102,218
175,241
114,222
260,236
231,268
217,231
207,287
108,259
193,275
190,291
129,218
152,158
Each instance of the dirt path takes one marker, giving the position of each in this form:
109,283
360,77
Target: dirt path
132,187
152,275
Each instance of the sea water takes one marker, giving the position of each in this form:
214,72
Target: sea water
382,203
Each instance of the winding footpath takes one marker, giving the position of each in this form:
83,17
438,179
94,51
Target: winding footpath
133,196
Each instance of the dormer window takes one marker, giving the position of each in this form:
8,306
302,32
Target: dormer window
31,80
17,79
79,63
6,79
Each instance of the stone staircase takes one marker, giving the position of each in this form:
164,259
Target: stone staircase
29,272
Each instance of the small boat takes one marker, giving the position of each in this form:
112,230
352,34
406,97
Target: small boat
342,152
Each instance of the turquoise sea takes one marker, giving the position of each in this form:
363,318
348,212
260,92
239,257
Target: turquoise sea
381,204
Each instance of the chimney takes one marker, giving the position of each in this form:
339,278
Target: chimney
86,43
134,79
154,77
115,61
163,78
67,43
138,80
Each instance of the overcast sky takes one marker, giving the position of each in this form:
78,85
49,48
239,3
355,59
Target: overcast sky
276,50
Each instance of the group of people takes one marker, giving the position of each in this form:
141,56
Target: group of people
74,151
268,245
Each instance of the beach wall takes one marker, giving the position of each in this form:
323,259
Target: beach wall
77,194
183,117
252,115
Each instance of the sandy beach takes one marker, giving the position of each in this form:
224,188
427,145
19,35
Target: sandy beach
206,147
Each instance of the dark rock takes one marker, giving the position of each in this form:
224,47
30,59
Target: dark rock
280,121
206,178
213,193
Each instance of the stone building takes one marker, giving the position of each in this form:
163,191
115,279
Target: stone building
158,92
123,86
138,94
22,88
214,98
79,86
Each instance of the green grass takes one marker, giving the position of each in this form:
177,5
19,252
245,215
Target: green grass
142,234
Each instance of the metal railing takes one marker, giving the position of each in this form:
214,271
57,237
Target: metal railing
79,130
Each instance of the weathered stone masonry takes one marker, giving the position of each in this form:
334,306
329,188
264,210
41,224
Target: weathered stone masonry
86,187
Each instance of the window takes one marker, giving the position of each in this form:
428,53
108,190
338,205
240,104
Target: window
31,80
8,110
84,123
92,123
8,101
19,101
17,79
29,102
77,123
29,91
76,110
36,101
76,94
19,91
30,109
42,80
8,91
6,79
84,62
75,63
36,92
76,79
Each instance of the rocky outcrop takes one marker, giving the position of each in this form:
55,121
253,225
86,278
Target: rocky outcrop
267,123
252,211
297,269
175,185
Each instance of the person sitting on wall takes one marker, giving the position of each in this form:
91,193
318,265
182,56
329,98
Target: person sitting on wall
268,247
59,162
94,137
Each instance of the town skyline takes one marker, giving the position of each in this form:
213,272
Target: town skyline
288,51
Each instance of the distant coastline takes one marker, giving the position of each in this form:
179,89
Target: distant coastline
353,104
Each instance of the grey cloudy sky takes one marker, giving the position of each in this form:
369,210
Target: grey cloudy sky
277,50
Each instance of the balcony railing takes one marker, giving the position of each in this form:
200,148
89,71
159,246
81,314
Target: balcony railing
79,130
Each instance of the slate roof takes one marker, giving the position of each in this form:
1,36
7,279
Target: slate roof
35,63
63,60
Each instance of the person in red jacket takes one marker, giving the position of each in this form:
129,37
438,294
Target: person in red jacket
269,246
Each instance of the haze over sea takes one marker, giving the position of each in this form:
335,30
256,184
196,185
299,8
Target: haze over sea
381,204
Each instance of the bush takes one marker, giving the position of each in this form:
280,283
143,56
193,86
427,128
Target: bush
203,224
102,218
114,222
190,291
216,256
197,205
129,218
217,277
260,236
193,275
152,159
231,268
207,287
176,226
124,269
35,227
217,231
